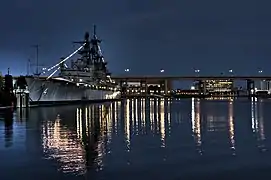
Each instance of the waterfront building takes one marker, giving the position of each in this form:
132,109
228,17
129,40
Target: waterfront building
216,87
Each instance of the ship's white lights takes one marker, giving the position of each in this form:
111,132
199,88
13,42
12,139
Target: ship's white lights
53,73
112,96
67,57
45,91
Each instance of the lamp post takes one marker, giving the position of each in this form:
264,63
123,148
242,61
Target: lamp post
261,81
231,72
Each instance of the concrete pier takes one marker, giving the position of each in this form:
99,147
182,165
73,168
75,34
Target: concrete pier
22,96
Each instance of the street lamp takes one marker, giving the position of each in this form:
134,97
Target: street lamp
261,82
162,70
197,71
127,70
231,72
260,72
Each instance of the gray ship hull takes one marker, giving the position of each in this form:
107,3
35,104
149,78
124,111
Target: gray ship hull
41,90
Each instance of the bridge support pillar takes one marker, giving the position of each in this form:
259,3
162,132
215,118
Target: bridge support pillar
143,87
146,88
265,85
262,82
201,87
204,88
250,87
123,87
22,97
166,87
268,87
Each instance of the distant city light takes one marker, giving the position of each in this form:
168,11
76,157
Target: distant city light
230,70
260,71
127,70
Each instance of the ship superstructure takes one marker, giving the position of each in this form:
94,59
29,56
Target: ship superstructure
87,78
91,67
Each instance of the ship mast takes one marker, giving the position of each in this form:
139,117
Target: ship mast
91,59
28,66
97,57
37,60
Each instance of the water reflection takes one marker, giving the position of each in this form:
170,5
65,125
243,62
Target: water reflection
95,126
22,114
196,124
142,116
12,133
102,137
59,144
162,123
231,126
7,116
77,151
216,121
127,124
257,122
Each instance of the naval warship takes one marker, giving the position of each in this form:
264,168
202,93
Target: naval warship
87,78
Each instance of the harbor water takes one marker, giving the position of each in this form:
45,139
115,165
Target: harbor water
138,139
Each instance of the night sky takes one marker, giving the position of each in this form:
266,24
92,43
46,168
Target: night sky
143,35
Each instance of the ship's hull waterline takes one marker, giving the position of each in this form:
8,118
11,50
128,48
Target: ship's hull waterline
43,91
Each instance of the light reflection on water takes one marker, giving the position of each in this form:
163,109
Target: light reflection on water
72,150
61,145
122,135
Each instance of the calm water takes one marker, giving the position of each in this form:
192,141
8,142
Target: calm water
138,139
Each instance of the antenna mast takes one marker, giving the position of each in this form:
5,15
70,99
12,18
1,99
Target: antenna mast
28,66
37,58
94,30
